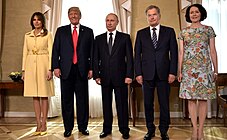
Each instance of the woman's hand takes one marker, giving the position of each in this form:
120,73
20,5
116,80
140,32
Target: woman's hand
49,75
179,77
215,76
22,77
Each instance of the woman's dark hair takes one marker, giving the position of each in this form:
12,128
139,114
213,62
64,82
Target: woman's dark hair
41,17
202,10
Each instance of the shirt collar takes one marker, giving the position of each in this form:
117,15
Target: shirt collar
114,32
32,33
77,27
157,27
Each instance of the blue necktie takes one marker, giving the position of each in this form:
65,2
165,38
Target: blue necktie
154,38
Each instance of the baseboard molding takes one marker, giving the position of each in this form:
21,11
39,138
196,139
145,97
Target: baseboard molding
157,114
19,114
140,114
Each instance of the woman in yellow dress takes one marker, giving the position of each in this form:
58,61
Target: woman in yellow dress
36,67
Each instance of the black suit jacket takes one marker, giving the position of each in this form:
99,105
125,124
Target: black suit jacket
163,59
116,66
62,55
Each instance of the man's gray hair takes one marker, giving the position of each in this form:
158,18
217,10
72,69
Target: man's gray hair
152,7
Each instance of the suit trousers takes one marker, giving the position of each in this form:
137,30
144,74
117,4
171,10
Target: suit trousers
121,98
163,92
74,84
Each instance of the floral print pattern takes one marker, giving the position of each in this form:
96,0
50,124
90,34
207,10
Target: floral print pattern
197,75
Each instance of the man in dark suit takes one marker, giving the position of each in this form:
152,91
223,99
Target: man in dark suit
71,60
156,55
113,70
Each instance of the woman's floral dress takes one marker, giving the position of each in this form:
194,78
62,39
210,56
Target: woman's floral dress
197,81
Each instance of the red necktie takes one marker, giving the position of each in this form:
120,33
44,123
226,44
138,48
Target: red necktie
75,39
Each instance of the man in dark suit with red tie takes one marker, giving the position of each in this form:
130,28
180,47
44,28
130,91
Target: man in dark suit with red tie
156,55
72,63
113,70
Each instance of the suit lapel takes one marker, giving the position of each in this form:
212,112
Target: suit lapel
161,36
106,44
116,41
81,34
148,36
68,35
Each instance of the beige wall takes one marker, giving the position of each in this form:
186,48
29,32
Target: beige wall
169,14
16,17
16,22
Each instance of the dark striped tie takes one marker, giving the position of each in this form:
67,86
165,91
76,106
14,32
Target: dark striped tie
110,42
154,38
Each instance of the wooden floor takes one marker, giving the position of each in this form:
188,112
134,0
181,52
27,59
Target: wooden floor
180,129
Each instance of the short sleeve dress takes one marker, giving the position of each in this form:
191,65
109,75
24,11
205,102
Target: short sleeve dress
197,81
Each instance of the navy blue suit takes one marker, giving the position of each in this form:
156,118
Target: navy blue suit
112,69
73,76
155,65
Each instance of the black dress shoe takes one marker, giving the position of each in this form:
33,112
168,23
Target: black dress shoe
104,134
149,135
165,136
85,132
67,133
125,135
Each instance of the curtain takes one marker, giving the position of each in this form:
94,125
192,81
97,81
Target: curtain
1,39
52,11
196,1
216,17
123,9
